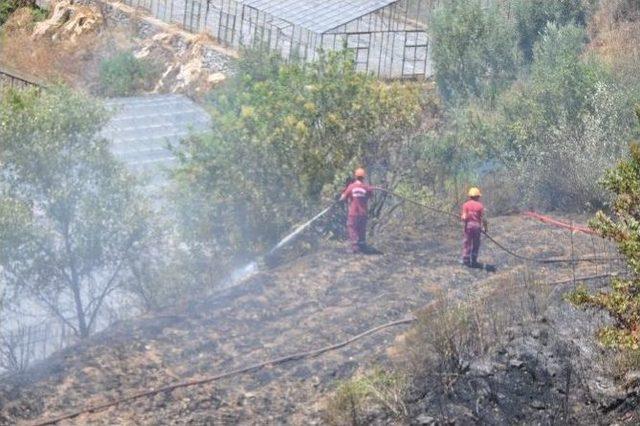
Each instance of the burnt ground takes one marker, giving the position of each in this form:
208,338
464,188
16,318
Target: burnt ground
315,300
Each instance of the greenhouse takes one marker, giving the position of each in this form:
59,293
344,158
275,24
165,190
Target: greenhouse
388,37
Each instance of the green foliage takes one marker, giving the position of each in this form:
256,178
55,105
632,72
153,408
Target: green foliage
70,217
447,159
533,16
622,302
7,7
570,122
559,74
39,14
474,50
284,136
554,132
126,75
545,131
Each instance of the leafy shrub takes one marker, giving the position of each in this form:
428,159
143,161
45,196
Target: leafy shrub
532,17
359,397
284,136
125,75
551,135
622,301
474,50
7,7
568,124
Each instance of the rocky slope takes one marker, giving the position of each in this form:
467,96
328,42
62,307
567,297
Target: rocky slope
318,299
72,41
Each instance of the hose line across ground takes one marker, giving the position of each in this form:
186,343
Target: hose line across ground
254,367
498,244
258,366
316,352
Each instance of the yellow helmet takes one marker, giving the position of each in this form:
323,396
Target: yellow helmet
474,192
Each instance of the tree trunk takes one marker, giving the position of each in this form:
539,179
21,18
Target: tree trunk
82,321
75,287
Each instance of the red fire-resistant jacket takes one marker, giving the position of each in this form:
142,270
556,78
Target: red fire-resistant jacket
357,195
472,212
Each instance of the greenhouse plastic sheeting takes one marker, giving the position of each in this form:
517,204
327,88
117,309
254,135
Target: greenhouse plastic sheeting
143,128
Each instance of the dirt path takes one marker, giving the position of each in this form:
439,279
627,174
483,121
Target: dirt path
314,301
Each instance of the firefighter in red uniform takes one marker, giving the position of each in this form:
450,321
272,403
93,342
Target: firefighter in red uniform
474,224
357,195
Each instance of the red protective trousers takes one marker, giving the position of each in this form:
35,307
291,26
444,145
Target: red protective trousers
471,244
357,231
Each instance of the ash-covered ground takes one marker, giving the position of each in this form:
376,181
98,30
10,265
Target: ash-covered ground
315,300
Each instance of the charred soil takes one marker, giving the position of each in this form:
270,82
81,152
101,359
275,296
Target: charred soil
316,300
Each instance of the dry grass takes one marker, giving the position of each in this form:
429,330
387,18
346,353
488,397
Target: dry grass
356,399
450,334
615,33
42,58
73,62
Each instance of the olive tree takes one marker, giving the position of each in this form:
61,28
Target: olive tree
533,16
474,50
70,216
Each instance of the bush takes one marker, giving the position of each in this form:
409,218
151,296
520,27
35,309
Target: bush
7,7
551,135
126,75
474,50
622,301
568,124
284,137
532,17
355,399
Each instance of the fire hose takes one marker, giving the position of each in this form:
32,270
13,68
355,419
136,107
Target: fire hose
501,246
316,352
456,218
210,379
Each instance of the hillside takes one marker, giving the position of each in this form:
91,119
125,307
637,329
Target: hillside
316,300
71,42
537,104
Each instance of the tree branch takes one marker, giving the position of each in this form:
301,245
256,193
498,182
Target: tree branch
108,287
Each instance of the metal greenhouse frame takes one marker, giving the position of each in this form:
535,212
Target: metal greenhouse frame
388,37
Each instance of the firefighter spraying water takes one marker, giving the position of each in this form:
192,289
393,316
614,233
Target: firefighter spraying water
357,195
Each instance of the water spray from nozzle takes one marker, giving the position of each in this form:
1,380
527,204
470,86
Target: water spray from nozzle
242,274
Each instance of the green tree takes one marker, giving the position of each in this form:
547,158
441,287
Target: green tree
622,301
557,129
533,16
474,50
560,78
284,136
70,217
